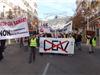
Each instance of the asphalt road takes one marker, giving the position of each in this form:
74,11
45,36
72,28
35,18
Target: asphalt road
81,63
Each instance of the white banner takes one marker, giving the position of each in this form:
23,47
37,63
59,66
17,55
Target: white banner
14,28
68,27
57,45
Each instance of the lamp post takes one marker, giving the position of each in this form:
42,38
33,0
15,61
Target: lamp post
3,11
87,19
10,17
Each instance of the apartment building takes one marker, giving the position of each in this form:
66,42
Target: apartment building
89,10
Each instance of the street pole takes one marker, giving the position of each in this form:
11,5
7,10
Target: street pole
87,23
9,41
10,17
3,12
87,28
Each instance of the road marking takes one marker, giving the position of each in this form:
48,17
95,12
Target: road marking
46,69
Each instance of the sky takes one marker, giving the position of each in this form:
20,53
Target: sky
51,8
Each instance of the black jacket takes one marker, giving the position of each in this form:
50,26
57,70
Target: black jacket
2,46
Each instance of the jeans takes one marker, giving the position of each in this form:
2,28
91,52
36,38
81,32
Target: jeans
1,55
78,45
32,54
91,48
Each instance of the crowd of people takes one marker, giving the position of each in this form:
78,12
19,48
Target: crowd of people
33,43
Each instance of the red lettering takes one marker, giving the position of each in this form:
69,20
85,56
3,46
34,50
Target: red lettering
4,23
15,22
24,19
0,24
11,23
19,21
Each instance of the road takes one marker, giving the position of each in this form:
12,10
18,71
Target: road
81,63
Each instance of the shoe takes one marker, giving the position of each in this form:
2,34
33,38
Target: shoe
90,52
41,54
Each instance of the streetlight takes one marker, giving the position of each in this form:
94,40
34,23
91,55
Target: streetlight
3,11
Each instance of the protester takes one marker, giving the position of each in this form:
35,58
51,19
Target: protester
92,44
21,42
2,47
33,45
25,43
78,41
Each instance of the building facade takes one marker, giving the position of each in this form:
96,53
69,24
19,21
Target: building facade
89,10
15,8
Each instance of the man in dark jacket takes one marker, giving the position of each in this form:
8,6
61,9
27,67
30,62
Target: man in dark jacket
2,47
78,41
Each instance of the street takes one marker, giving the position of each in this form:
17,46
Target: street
81,63
58,28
